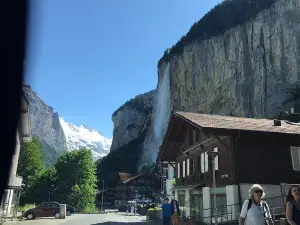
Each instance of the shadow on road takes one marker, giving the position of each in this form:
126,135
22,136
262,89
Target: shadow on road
156,222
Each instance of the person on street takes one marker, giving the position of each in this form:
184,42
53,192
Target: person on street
293,205
175,212
166,212
255,211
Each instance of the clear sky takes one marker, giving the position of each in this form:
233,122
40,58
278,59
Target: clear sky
87,58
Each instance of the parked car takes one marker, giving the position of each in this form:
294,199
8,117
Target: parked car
70,210
46,209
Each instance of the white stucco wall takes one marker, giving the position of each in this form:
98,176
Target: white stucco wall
232,197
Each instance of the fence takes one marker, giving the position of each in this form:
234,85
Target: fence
229,214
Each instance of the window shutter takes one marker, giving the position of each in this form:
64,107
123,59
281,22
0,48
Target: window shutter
205,162
202,163
216,159
183,163
178,170
295,154
188,167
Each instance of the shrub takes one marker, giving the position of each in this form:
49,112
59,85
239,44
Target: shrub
25,207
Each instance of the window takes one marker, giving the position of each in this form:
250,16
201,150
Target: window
192,162
178,170
210,163
197,136
44,205
181,169
295,154
191,139
54,205
221,203
198,164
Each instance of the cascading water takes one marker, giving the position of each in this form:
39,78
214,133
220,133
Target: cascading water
161,114
162,107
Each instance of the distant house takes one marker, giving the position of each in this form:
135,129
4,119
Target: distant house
12,193
143,185
249,151
167,170
109,196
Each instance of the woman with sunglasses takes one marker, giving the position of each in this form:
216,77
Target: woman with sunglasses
293,205
255,211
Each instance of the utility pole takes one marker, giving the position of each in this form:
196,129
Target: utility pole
213,156
102,195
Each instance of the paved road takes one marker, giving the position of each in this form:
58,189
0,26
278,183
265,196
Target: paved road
93,219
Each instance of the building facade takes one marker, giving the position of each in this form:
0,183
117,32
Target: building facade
12,193
143,185
248,151
109,196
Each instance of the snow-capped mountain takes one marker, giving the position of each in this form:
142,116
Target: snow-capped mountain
83,137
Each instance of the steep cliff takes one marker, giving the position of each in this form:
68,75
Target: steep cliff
132,119
45,126
248,70
132,125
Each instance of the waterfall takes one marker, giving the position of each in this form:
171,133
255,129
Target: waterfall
162,107
160,119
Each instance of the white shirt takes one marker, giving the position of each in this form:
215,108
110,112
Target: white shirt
254,216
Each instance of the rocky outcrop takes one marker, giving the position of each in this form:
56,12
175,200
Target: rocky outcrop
45,126
132,119
247,71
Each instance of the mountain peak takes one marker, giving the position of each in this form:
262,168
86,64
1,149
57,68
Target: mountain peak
85,137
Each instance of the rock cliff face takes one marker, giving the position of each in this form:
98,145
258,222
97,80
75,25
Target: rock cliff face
45,126
132,119
247,71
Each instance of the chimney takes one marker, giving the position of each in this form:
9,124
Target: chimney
292,110
277,123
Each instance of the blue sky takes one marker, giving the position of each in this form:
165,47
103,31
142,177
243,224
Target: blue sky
87,58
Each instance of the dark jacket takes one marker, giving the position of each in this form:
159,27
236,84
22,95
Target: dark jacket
178,210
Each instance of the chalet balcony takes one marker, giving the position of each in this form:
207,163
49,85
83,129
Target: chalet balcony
203,178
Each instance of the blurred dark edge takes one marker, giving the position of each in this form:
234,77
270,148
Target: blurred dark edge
13,27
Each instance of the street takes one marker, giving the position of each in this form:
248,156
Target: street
90,219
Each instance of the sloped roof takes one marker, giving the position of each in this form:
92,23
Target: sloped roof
238,123
139,175
125,176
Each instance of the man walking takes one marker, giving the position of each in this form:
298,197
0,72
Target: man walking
166,212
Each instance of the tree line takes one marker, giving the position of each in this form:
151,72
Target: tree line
71,180
224,16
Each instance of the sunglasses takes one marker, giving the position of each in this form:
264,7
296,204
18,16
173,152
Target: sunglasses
258,191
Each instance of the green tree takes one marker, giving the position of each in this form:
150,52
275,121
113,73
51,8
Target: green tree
83,197
76,178
30,165
43,189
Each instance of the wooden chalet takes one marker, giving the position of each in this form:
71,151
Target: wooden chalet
109,196
249,151
143,185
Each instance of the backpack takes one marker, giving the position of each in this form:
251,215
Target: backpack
264,206
250,204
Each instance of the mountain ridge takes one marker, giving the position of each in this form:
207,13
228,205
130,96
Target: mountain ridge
58,136
84,137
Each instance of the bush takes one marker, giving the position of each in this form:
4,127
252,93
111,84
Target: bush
25,207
